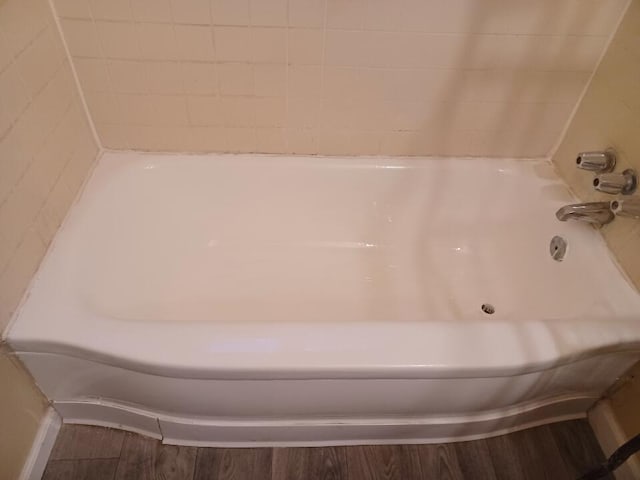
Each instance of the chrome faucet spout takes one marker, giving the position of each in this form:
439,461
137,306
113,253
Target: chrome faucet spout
596,213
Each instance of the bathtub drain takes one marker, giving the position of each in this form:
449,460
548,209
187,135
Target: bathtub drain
488,308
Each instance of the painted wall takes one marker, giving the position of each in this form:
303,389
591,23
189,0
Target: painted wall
609,116
46,151
407,77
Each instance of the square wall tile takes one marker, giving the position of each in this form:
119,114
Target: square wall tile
195,42
230,12
192,12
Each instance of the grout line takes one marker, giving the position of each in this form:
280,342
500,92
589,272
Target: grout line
565,130
76,79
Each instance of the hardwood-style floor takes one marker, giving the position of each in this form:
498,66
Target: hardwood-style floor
556,452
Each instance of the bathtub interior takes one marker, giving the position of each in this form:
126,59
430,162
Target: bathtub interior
272,239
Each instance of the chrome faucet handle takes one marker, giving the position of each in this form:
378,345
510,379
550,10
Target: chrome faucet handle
626,207
597,161
624,183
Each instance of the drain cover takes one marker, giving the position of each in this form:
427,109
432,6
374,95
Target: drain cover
558,248
488,308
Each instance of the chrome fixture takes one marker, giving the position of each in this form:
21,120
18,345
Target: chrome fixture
624,183
597,161
626,207
596,213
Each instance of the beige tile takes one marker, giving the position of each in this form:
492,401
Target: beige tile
230,12
350,142
303,113
383,15
237,111
118,40
347,14
14,97
23,264
199,78
151,11
92,73
103,107
240,139
305,81
170,110
73,8
269,112
269,45
235,79
39,62
111,10
158,138
157,42
305,46
127,76
301,141
113,136
268,13
270,140
21,21
307,13
195,42
14,160
193,12
137,109
233,44
270,80
164,77
81,37
205,111
207,139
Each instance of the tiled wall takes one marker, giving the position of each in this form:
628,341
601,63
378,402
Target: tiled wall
46,151
46,147
415,77
609,116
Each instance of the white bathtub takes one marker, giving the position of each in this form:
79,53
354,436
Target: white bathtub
263,300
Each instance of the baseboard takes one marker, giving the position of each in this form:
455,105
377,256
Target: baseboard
42,446
611,436
312,431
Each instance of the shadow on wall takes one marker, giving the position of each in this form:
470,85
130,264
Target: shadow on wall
534,107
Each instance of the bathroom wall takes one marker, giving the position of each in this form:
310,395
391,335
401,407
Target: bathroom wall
609,116
406,77
46,151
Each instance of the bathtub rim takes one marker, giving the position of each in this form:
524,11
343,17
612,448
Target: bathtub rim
194,363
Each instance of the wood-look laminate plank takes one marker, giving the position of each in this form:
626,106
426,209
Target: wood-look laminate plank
539,454
145,458
83,441
578,446
95,469
474,460
379,462
505,459
433,461
322,463
233,464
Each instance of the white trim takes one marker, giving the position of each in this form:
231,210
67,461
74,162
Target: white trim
309,431
610,436
42,445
